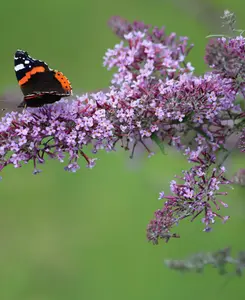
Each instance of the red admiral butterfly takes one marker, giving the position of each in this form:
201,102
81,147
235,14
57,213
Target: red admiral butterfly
39,84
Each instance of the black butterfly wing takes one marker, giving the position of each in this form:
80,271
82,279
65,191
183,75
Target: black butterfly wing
43,82
38,82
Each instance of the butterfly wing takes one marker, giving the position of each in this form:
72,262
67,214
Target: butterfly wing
37,80
47,82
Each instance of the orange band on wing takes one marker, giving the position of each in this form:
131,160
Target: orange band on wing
65,83
31,72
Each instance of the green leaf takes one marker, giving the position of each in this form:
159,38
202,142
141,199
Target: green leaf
159,143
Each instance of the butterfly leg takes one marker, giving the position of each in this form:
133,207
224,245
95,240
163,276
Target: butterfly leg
24,108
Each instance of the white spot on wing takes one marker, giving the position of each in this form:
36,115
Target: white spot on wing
19,67
27,62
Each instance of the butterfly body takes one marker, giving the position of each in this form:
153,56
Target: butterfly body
39,84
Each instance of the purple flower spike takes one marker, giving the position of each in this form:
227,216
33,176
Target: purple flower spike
153,95
52,131
226,56
195,196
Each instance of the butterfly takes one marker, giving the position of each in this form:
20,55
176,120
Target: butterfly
39,84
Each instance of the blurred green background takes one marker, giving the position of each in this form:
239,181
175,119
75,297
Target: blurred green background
82,236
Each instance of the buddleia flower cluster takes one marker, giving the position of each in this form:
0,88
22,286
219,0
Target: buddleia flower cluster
219,260
153,94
